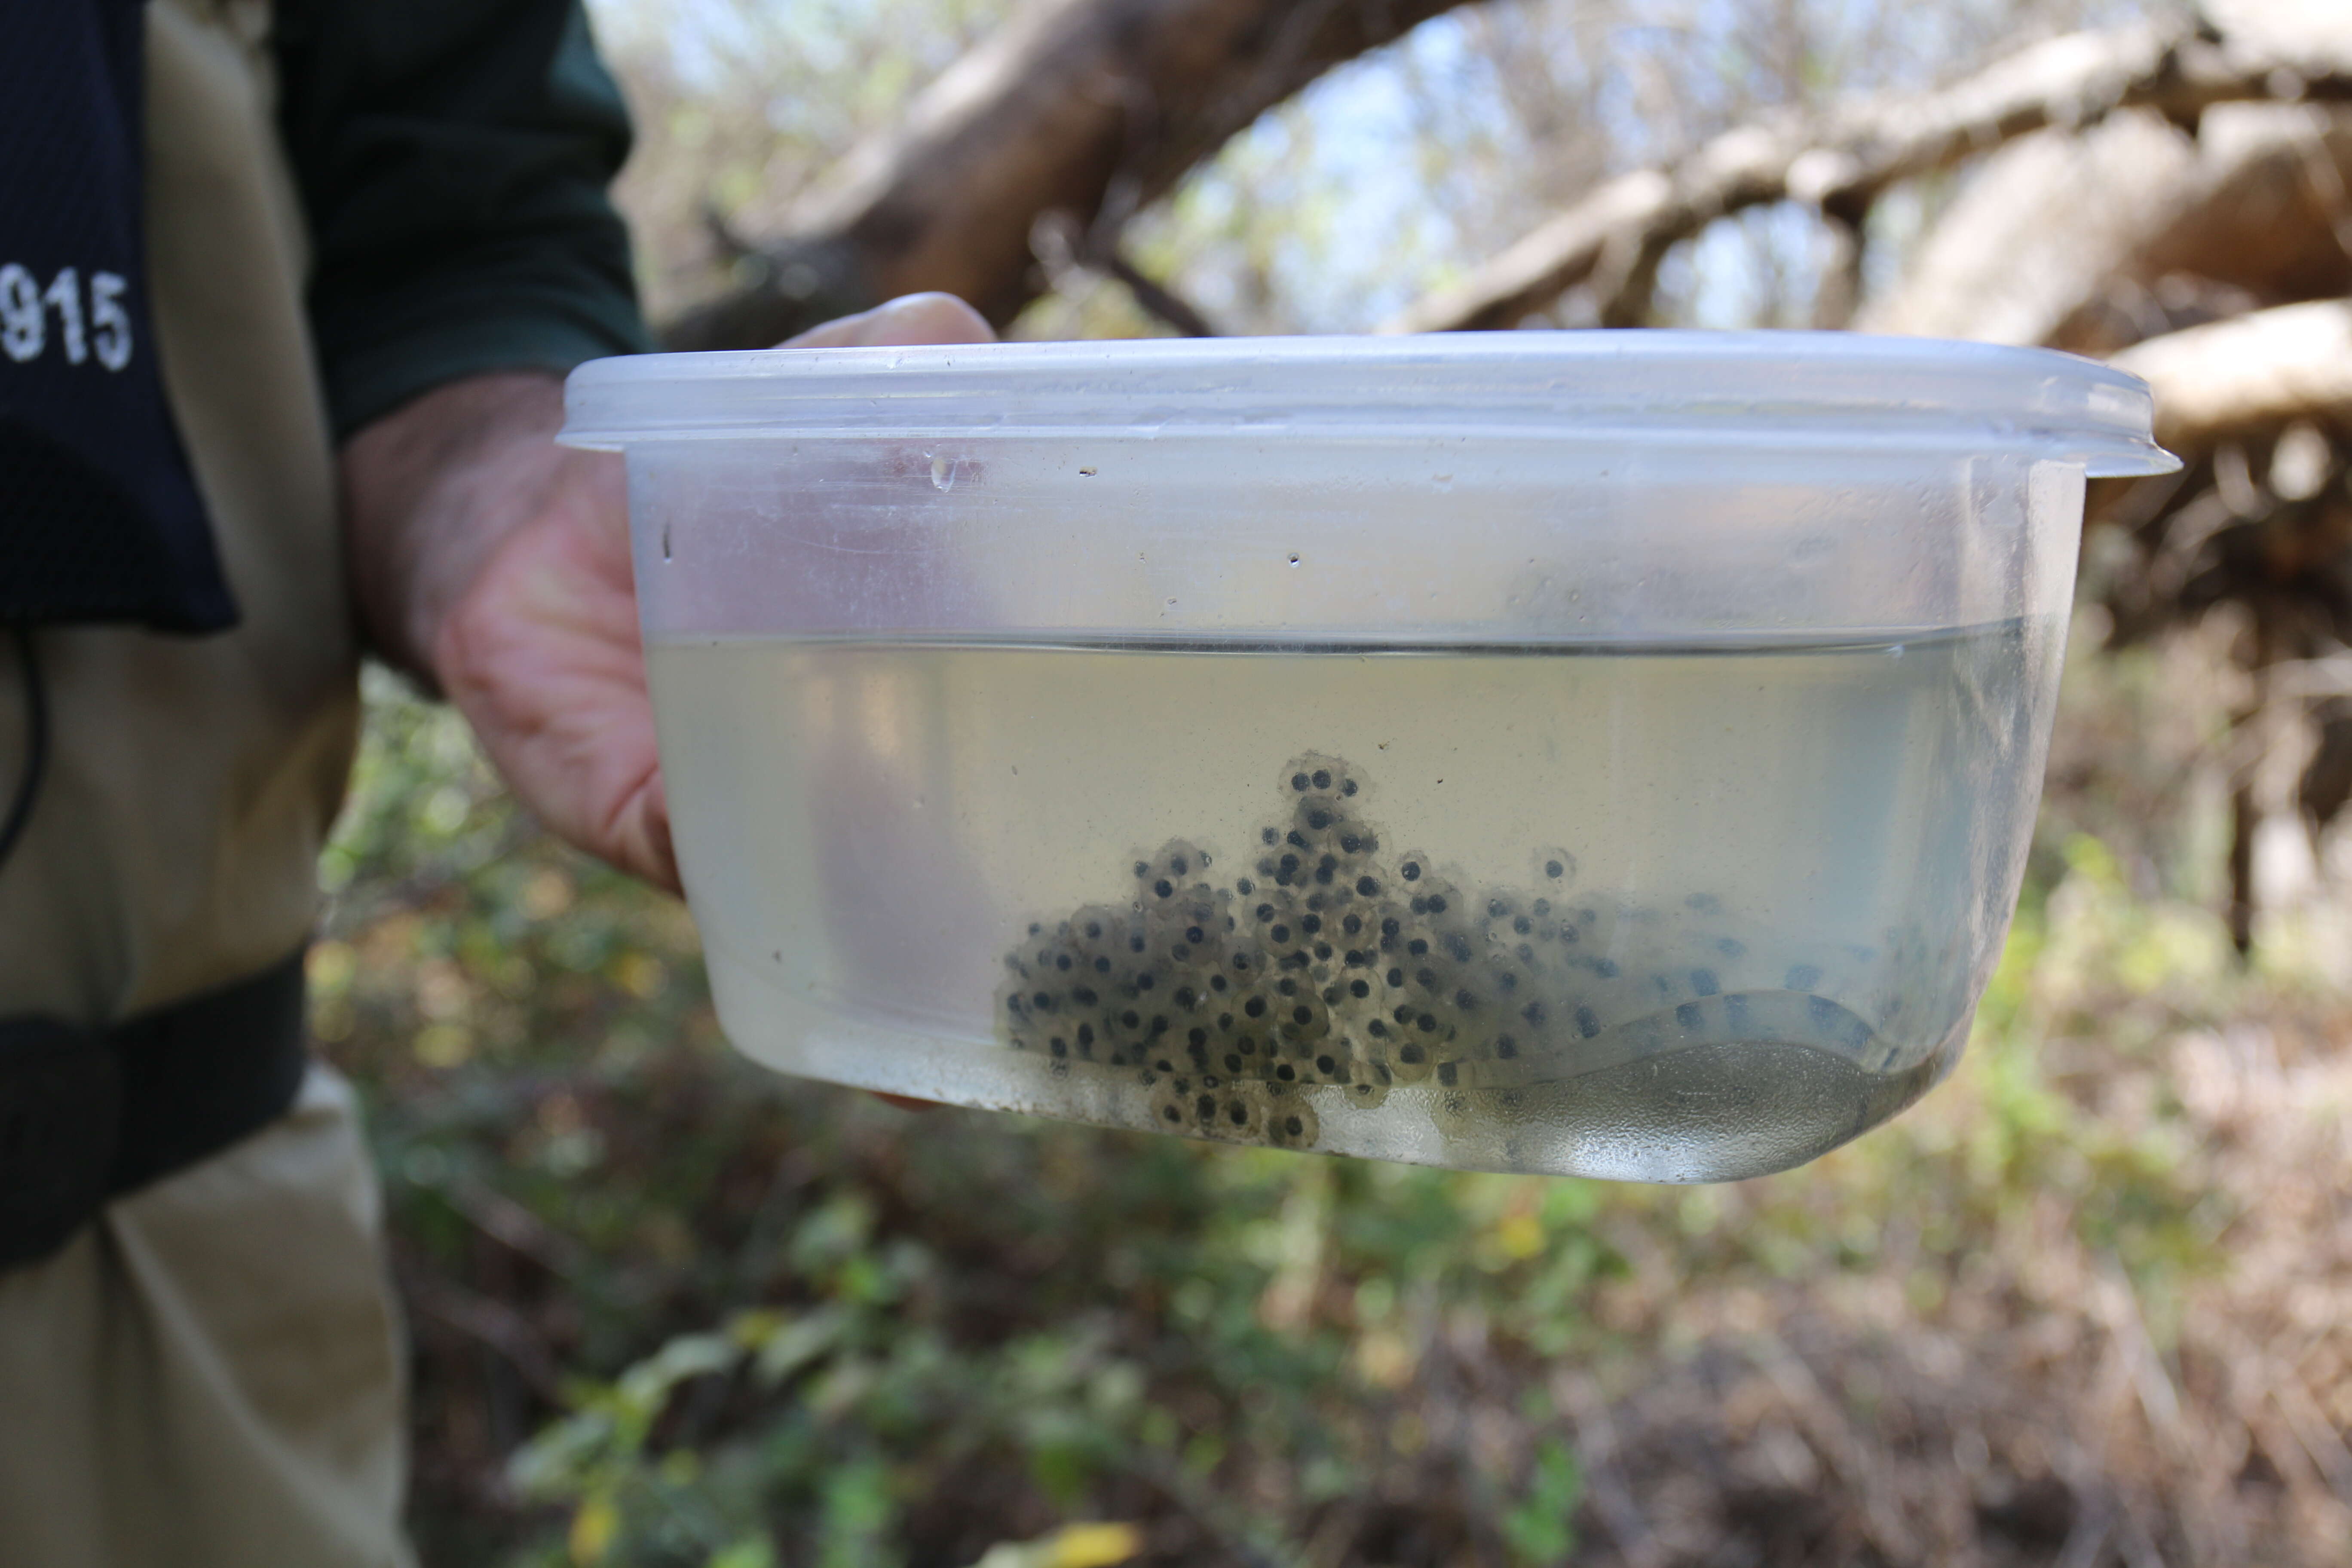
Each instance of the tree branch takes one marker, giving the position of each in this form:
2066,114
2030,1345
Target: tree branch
1072,104
2251,374
1842,163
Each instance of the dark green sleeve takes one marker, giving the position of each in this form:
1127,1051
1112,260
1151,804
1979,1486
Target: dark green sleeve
452,158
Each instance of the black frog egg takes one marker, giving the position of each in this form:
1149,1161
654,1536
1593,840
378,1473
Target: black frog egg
1190,999
1369,1083
1259,1015
1514,922
1439,952
1236,1111
1191,930
1455,1027
1416,1033
1013,1019
1237,968
1555,870
1336,847
1438,911
1249,1051
1411,1057
1468,1114
1143,996
1178,867
1501,1047
1194,1049
1353,843
1358,987
1314,777
1324,1050
1303,1017
1172,1103
1236,1050
1323,870
1096,939
1209,1105
1290,1120
1537,963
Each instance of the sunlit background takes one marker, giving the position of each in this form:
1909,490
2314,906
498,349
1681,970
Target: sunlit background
2090,1303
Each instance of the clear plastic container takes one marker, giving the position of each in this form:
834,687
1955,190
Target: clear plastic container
1609,753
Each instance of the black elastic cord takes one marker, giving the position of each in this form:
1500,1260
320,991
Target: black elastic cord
36,743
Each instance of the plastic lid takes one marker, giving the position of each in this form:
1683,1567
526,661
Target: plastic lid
1835,390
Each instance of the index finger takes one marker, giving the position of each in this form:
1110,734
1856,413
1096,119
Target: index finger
910,319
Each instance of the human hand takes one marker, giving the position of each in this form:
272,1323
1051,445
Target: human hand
495,564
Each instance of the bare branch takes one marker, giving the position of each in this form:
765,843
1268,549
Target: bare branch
1839,165
1157,297
2253,372
1839,295
1074,101
2093,242
1065,251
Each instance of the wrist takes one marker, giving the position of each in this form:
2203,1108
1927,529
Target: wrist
430,492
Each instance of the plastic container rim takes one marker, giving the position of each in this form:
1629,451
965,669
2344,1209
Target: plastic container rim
1808,391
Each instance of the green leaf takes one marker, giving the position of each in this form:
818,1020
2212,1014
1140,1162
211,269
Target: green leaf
1540,1529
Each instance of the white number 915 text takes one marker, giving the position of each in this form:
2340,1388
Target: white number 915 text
103,332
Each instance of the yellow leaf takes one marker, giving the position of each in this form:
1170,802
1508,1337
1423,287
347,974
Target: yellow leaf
1521,1236
641,975
1093,1545
593,1529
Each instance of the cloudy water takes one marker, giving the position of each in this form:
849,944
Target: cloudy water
1683,912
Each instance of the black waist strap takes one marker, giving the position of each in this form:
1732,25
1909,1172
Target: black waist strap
88,1115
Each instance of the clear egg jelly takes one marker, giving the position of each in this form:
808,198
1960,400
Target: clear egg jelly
1678,912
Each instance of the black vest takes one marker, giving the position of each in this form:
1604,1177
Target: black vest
100,517
99,520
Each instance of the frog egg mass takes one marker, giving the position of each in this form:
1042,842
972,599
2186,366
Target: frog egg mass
1321,975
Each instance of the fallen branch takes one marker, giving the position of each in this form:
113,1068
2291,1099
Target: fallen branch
2255,373
1090,107
1614,237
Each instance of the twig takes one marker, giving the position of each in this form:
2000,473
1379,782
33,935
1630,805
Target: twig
509,1223
2118,1304
1833,1435
1839,295
1158,299
1596,1449
492,1323
2095,1521
2315,1434
1206,1515
1065,249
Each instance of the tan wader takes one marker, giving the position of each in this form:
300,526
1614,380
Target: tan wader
210,1375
